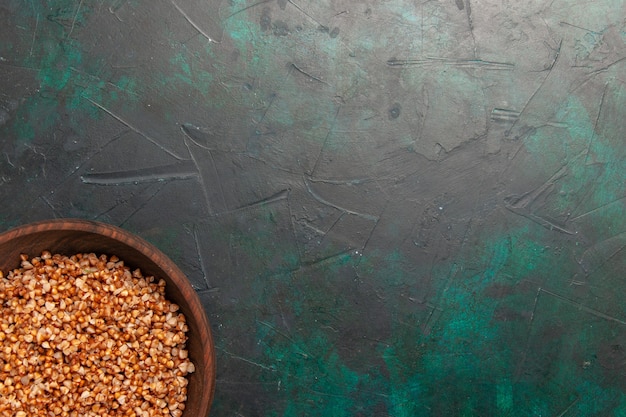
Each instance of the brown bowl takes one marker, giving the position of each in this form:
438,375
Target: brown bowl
72,236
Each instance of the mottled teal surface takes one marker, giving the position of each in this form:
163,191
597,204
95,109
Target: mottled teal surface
388,208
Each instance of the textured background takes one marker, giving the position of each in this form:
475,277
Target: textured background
404,208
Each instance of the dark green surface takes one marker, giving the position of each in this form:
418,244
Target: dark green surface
387,207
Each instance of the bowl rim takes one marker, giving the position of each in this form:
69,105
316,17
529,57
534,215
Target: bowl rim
147,249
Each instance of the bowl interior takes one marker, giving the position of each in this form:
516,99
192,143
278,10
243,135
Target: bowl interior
70,237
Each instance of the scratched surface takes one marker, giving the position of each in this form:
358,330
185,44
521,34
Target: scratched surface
404,208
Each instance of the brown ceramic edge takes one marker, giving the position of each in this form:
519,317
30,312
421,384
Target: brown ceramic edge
126,237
